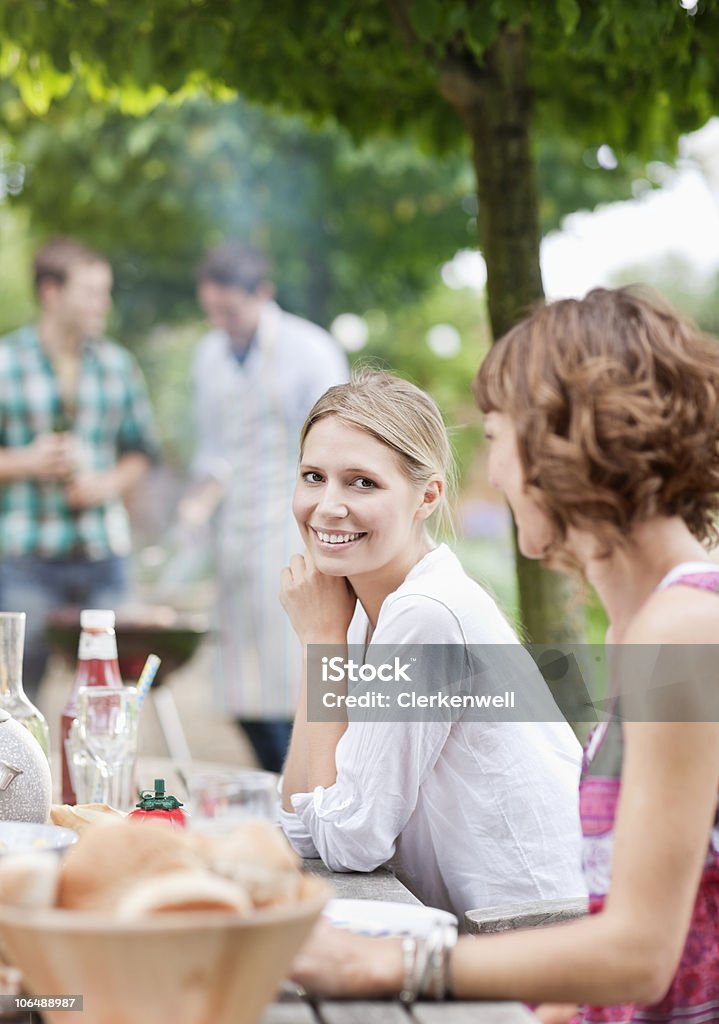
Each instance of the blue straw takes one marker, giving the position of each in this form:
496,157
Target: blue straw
147,677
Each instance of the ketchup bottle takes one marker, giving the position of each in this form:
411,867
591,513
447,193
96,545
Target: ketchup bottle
97,665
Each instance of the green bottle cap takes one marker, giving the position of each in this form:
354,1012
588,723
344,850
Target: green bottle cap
157,800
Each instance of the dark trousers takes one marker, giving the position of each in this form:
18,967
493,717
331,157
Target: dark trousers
269,739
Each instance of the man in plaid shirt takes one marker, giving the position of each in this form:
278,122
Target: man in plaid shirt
76,435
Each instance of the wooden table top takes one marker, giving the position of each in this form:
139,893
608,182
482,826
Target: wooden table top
352,885
300,1011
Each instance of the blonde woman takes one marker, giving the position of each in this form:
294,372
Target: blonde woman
603,421
474,813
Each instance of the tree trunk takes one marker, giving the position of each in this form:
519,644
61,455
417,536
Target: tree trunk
495,103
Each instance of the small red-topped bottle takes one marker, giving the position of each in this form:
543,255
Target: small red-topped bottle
97,665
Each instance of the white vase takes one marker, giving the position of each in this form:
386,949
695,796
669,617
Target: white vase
25,783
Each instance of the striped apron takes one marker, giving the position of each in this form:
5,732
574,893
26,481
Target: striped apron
260,657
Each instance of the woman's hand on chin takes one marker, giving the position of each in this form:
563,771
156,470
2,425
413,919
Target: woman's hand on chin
320,607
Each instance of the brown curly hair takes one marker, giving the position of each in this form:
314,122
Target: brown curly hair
615,399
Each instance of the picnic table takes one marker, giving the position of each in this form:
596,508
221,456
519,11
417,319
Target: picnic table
292,1008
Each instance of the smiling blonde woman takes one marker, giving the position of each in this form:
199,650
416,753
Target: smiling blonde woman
474,813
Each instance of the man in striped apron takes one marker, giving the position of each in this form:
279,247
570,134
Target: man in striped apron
255,377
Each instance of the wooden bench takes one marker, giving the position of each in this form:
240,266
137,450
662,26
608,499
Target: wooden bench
524,915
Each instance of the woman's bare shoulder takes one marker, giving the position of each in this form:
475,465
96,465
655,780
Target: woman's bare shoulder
677,615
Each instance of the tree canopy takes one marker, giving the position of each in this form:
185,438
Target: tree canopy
494,75
154,192
347,227
632,75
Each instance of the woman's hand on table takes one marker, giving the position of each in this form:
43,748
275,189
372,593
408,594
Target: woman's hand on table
320,607
336,964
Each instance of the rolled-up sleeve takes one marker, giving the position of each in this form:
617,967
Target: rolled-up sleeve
353,825
296,831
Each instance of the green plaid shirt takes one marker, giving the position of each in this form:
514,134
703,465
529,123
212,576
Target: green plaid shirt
113,417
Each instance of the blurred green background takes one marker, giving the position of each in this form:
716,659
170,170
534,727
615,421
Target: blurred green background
368,230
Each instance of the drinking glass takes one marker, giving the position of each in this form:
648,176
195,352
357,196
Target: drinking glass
220,800
107,719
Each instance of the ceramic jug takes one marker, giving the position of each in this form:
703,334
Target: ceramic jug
25,784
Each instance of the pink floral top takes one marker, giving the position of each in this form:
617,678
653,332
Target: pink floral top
693,997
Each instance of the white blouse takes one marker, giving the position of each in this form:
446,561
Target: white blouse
473,814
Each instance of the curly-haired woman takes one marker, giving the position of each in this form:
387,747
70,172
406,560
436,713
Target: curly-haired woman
603,421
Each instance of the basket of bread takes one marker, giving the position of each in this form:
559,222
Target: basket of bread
153,924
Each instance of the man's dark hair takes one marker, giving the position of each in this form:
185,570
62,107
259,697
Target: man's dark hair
57,257
235,265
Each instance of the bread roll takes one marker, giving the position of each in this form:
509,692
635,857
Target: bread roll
82,816
256,856
29,879
106,862
182,891
255,842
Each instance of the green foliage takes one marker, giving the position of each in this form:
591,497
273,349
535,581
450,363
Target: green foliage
570,178
398,342
346,228
632,75
16,300
166,358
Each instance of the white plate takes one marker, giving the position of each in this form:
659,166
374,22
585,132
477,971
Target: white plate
377,917
27,837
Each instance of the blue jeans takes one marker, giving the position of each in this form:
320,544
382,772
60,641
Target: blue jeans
269,739
36,586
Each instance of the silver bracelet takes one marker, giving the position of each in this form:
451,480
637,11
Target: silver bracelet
438,969
432,945
426,964
450,943
423,967
435,981
409,961
416,961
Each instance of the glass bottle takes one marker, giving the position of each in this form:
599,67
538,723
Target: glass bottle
12,696
61,422
97,665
